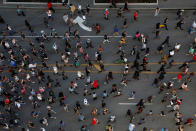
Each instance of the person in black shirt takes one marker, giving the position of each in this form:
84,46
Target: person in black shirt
179,24
165,23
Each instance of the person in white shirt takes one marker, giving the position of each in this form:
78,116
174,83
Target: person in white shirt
131,126
177,46
86,103
65,18
55,47
55,70
49,13
79,9
80,75
171,53
42,129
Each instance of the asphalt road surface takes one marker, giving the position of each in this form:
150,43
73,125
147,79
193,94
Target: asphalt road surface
143,87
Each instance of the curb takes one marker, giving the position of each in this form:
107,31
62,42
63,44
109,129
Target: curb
61,8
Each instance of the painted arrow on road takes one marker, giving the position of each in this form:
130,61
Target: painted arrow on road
80,22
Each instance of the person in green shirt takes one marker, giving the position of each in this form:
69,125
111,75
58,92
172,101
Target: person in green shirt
191,50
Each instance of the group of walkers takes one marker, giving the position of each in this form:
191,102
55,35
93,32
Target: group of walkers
20,70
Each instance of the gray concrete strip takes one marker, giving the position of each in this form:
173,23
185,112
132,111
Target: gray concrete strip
14,6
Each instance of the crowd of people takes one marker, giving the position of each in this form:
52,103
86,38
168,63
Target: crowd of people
20,69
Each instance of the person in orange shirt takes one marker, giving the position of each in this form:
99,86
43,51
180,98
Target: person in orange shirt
100,49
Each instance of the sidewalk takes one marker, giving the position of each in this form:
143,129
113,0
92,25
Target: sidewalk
163,4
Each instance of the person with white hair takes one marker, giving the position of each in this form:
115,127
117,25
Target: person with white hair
89,43
106,13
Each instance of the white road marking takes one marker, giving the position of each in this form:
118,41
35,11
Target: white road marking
78,20
32,3
134,104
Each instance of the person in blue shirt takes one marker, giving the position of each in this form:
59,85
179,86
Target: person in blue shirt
164,129
115,30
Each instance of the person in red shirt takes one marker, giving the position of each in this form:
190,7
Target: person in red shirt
94,121
7,101
135,15
194,57
179,77
95,84
98,28
49,4
106,13
189,122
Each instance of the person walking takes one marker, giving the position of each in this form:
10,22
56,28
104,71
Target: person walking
106,13
98,28
20,11
165,22
135,15
166,41
106,39
180,23
65,18
156,11
126,6
49,4
125,23
115,30
72,9
87,9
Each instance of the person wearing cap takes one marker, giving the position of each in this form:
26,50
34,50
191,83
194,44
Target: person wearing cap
180,13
